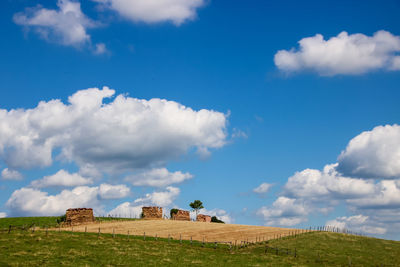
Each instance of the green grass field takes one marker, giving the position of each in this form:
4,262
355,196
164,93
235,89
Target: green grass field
22,248
44,221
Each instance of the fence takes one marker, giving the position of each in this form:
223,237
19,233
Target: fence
237,244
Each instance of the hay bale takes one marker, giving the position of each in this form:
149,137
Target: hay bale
152,212
181,215
79,216
203,218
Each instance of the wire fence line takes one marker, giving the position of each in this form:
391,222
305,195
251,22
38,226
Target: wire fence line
261,245
237,244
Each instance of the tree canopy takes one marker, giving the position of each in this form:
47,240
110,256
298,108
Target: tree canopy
196,206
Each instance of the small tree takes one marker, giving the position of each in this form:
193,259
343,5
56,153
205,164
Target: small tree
216,220
196,206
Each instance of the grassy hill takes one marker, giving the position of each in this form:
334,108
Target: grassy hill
51,221
20,248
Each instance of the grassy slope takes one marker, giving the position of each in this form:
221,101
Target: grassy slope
79,249
43,221
28,221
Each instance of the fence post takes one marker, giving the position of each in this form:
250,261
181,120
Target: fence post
47,230
191,240
156,237
203,241
144,236
113,233
128,234
85,229
215,245
98,235
180,238
295,253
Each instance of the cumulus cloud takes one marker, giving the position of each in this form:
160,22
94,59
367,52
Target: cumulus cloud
319,192
67,25
386,195
343,54
315,185
33,202
107,191
357,223
61,178
159,198
262,188
124,134
154,11
8,174
126,210
284,212
158,177
3,214
368,156
373,154
365,181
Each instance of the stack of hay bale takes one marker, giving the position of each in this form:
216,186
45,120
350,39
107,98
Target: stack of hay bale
79,216
203,218
181,215
152,212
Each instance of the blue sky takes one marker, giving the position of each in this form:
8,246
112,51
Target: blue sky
280,113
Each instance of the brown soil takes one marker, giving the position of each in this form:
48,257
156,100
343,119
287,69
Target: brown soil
211,232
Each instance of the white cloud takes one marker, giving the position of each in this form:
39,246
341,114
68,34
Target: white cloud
67,25
161,198
262,188
61,178
107,191
373,154
100,49
33,202
344,54
385,195
370,154
154,11
159,177
8,174
237,133
90,170
3,215
357,223
122,135
395,63
327,184
126,210
284,212
156,198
